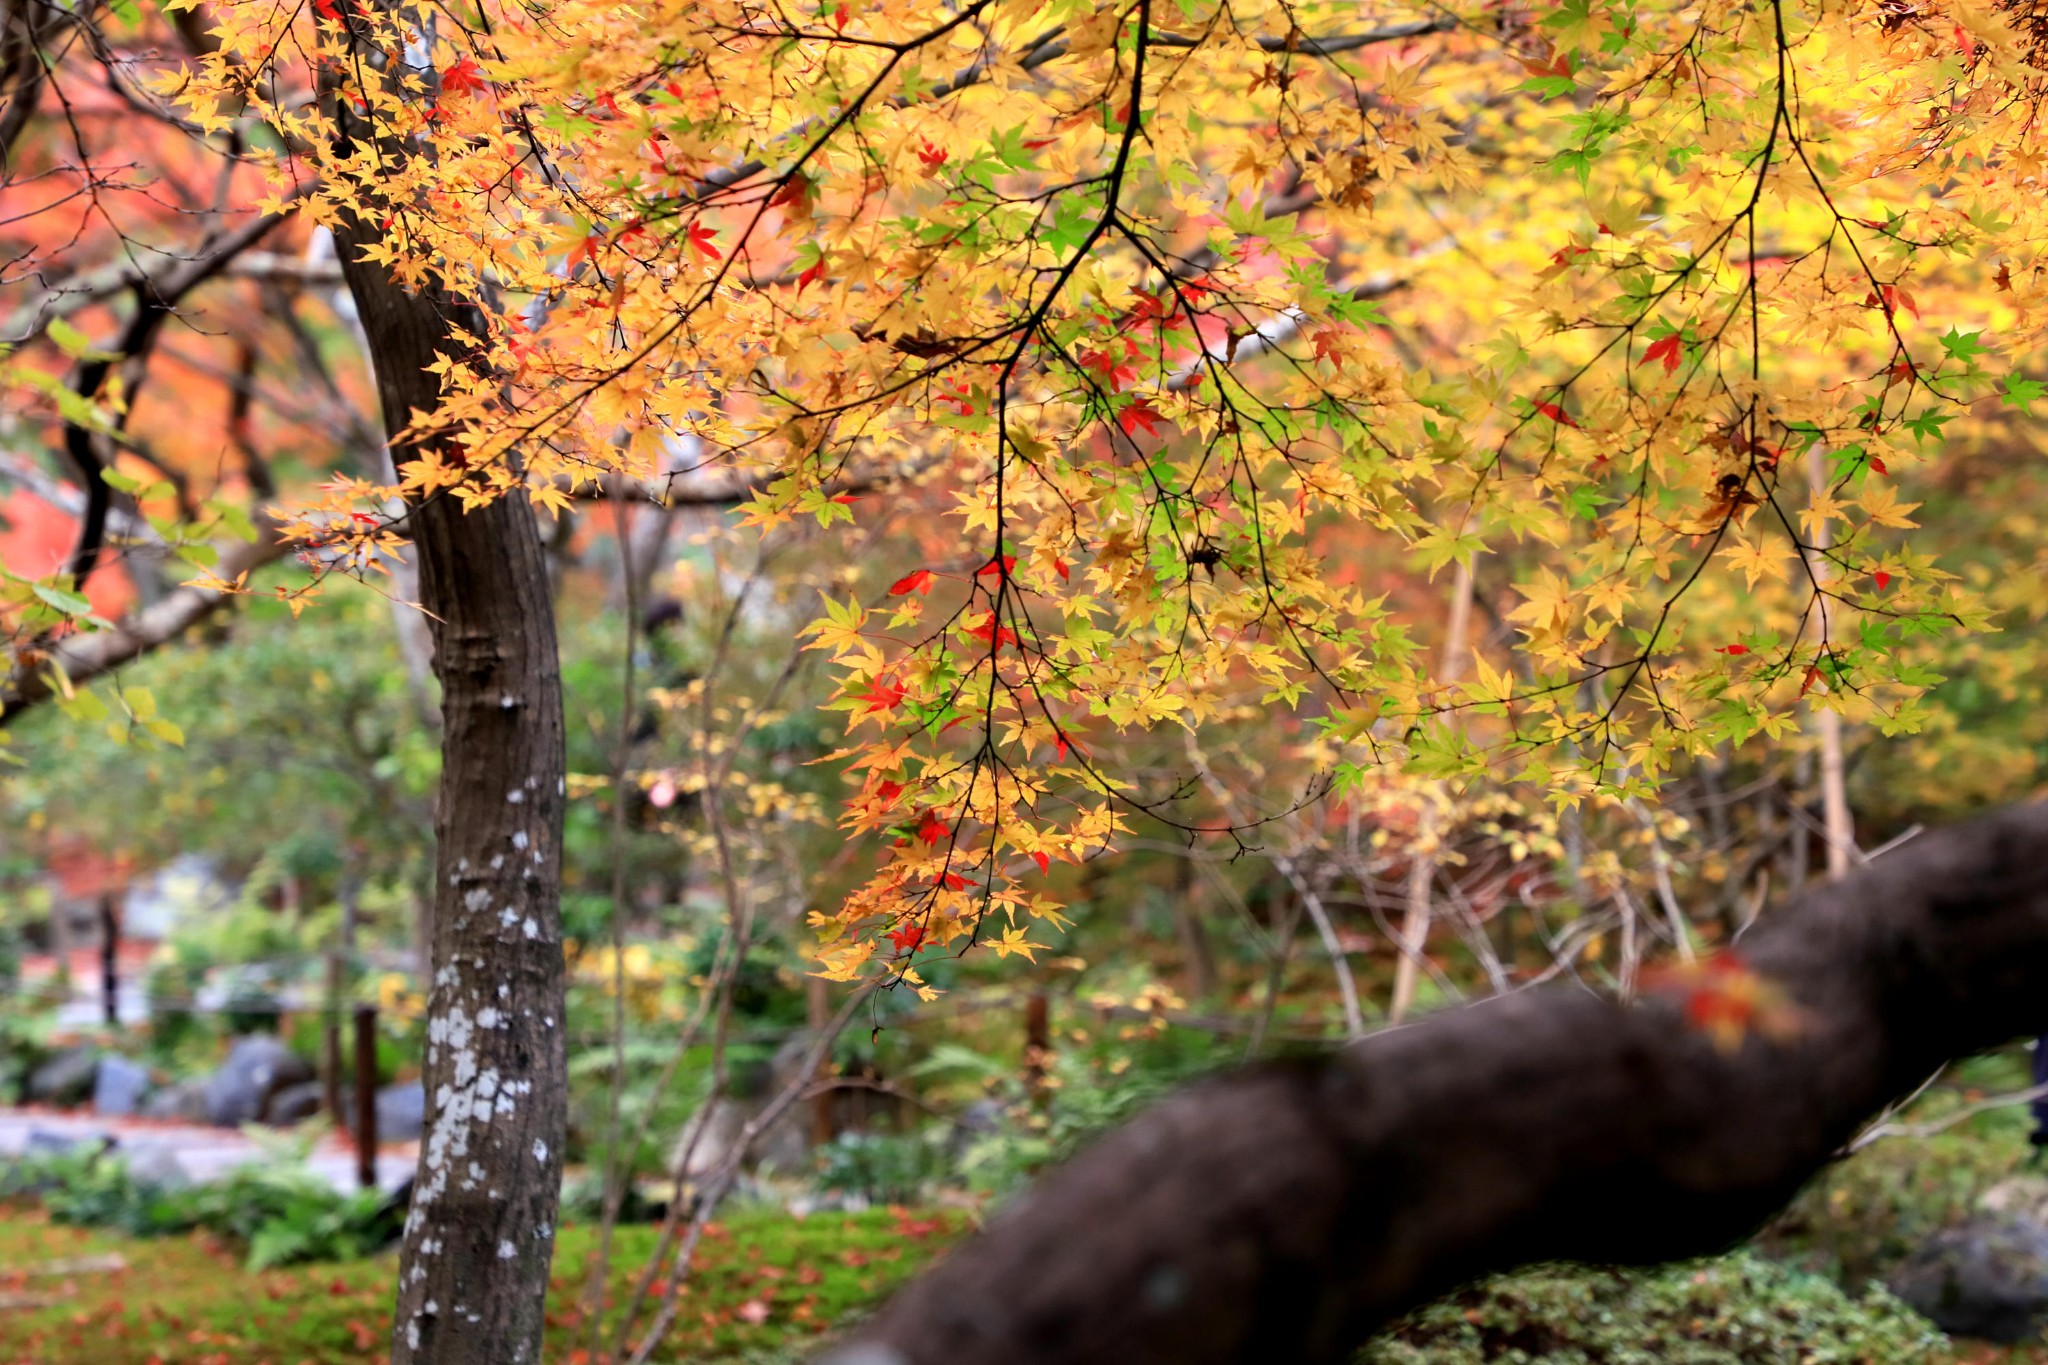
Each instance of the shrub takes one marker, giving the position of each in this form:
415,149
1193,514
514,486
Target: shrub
278,1211
883,1168
1736,1310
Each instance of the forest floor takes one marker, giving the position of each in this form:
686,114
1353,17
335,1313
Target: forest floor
765,1285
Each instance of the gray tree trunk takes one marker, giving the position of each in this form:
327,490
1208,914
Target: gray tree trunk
473,1272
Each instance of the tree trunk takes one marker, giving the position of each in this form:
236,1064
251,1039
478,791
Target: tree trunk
473,1273
1285,1212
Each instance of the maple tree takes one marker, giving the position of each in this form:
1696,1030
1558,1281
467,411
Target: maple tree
1163,366
1190,337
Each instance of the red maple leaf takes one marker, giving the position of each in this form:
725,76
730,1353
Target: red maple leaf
907,938
931,829
1727,1000
917,581
1044,863
704,240
1119,375
996,635
1556,414
962,397
1667,349
932,157
1891,298
811,272
1882,579
464,78
882,695
1732,650
1140,414
794,192
997,564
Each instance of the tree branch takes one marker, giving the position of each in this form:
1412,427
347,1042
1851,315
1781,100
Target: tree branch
1331,46
87,656
1284,1213
156,295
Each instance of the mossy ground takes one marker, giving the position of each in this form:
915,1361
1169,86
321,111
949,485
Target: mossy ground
765,1284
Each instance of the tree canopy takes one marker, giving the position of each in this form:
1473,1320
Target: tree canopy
1188,327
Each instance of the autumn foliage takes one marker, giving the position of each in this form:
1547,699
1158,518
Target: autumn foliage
1184,342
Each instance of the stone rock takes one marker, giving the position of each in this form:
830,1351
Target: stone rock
256,1068
182,1101
120,1086
65,1079
401,1111
1987,1278
2019,1196
294,1104
44,1142
157,1166
714,1141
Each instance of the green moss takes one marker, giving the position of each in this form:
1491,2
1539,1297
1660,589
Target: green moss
187,1300
1860,1217
1737,1310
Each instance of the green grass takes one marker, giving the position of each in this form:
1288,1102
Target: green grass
764,1284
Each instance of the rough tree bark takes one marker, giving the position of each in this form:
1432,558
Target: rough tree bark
473,1272
1284,1213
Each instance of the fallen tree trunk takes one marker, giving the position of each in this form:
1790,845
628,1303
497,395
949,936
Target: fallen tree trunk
1286,1212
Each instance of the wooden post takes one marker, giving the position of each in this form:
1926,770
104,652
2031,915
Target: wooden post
819,1008
330,1040
110,963
1194,936
1037,1041
366,1096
